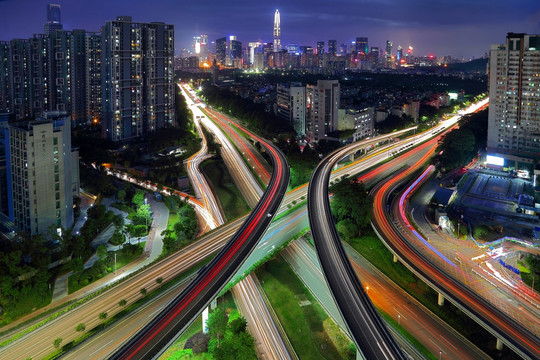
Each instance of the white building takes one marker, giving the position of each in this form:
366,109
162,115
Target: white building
514,97
322,109
42,173
362,121
291,105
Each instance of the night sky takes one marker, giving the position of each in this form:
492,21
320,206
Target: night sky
461,28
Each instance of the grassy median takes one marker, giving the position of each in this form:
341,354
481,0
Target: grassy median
229,195
312,333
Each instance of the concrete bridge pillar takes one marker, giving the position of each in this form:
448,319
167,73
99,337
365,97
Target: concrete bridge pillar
204,320
440,300
499,345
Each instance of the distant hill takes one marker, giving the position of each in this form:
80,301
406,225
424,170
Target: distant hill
477,65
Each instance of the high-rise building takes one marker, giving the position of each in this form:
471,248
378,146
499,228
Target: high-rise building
236,48
374,56
93,77
221,50
361,45
77,76
322,103
293,48
277,32
388,54
267,49
137,77
46,73
514,101
39,157
291,105
306,49
253,48
54,20
200,46
399,54
332,47
5,98
320,47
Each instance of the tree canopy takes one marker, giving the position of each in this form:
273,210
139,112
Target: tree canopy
351,206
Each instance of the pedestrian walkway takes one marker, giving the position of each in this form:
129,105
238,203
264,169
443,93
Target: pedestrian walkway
153,247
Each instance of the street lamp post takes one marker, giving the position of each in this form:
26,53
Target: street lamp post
398,319
146,217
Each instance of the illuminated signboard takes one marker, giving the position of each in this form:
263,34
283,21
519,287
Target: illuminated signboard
495,160
452,95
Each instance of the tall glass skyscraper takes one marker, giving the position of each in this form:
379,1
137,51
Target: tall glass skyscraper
54,20
277,32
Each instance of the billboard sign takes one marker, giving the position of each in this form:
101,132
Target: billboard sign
495,160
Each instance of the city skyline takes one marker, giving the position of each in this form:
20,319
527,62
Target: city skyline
431,28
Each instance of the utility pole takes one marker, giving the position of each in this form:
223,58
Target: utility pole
115,263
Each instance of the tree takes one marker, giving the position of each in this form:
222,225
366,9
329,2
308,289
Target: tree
117,238
238,325
122,302
102,315
481,231
57,342
129,230
236,346
139,231
143,291
121,196
143,216
138,198
80,327
77,265
347,229
118,221
217,324
198,343
351,202
458,149
159,280
187,223
533,261
169,244
65,237
102,252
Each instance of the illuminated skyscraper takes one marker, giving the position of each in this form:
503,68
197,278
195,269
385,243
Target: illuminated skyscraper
320,47
514,102
137,77
362,45
221,50
54,21
388,49
277,32
332,47
399,54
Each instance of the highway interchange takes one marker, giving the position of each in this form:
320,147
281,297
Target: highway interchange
298,194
